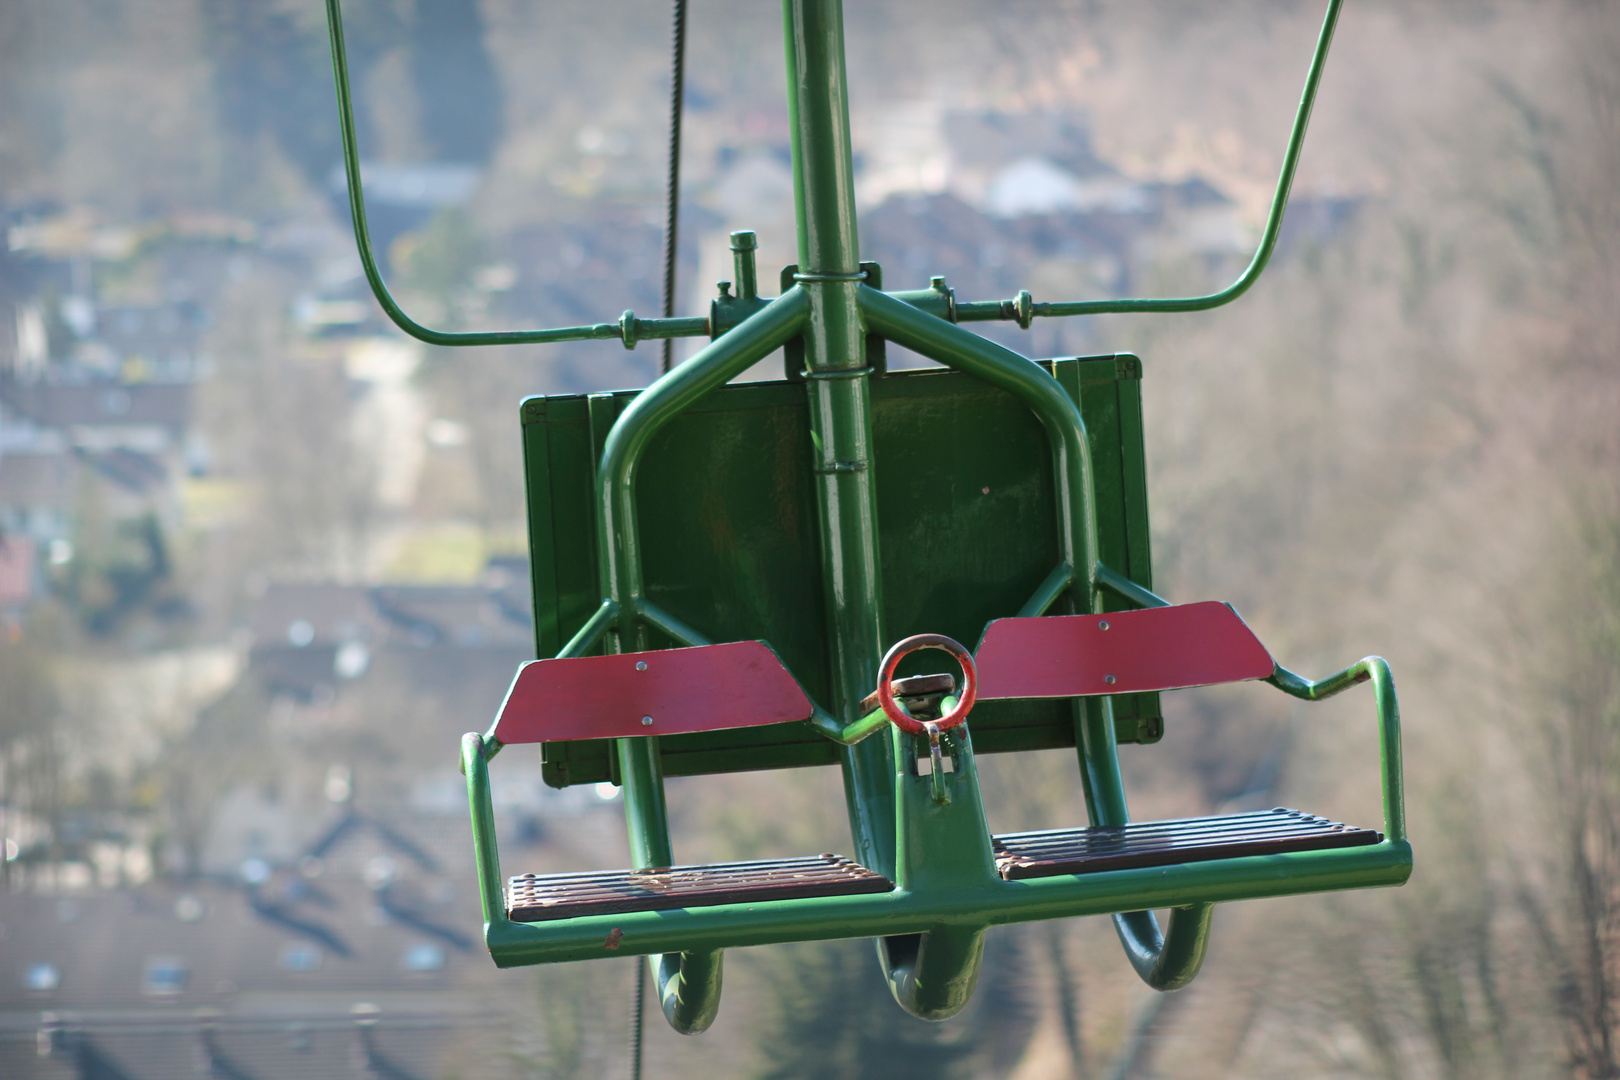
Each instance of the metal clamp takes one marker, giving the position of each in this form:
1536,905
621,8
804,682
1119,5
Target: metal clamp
1021,309
813,277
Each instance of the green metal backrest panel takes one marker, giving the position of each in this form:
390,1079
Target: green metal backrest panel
967,530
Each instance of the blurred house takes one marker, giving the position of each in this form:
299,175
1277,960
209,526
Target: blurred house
18,571
331,925
1025,201
282,973
97,398
111,448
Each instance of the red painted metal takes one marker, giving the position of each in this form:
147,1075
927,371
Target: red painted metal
664,692
1121,652
885,689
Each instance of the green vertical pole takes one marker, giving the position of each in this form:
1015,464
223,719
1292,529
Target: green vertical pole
840,405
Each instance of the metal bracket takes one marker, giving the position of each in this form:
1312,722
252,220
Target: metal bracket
938,765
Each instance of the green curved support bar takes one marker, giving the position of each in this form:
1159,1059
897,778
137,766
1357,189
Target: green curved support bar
475,766
1049,591
943,846
688,983
1166,961
932,975
1124,587
722,360
1170,961
926,977
1374,669
954,347
688,988
1022,308
628,329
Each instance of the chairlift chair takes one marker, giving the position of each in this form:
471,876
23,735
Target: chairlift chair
734,577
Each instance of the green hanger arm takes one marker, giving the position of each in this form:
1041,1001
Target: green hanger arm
628,329
1022,308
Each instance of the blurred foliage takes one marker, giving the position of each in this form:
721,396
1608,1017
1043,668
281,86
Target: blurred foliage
439,261
271,75
121,569
30,704
458,92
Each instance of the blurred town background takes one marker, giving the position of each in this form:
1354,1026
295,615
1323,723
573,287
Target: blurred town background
262,557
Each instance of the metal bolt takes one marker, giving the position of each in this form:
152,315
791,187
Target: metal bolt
646,721
725,289
641,665
1109,679
1102,624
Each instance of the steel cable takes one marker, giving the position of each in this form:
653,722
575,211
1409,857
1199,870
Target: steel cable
672,208
673,195
637,1014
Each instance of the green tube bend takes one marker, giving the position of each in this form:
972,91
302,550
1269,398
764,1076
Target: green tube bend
1268,239
475,766
688,988
1166,961
628,329
932,975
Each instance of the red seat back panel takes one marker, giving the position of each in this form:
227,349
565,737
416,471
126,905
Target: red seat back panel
1164,648
706,688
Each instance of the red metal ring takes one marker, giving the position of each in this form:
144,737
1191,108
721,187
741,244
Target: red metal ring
970,682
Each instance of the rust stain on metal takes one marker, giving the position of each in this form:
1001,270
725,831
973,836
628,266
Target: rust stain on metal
917,692
613,939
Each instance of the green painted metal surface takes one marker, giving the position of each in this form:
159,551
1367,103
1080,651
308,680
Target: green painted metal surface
947,885
995,904
729,485
838,399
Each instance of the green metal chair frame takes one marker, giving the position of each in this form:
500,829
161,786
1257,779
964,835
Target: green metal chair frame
947,889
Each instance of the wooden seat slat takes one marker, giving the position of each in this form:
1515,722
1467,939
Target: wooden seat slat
1124,847
538,898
